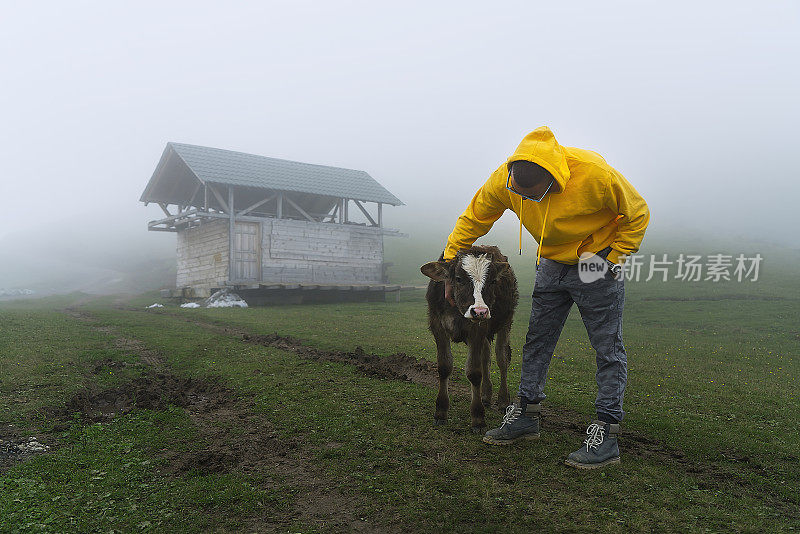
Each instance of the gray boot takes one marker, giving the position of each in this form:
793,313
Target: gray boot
517,424
601,447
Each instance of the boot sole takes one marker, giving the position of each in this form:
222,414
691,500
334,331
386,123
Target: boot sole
578,465
493,441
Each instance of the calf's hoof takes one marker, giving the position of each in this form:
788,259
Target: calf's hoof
439,421
503,401
479,430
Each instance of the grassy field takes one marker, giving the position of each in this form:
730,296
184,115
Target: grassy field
181,420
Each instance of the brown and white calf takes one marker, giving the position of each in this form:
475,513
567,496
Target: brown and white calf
485,294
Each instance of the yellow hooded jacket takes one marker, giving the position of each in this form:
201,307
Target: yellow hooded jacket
589,207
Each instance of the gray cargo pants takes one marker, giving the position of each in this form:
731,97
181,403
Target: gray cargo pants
600,302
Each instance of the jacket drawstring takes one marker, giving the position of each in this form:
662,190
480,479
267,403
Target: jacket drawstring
521,204
541,238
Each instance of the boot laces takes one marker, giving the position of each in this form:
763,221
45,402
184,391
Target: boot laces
512,413
595,439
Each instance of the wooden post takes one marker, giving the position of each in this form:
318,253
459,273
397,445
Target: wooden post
256,205
303,212
205,197
194,194
341,211
220,199
231,232
365,212
346,210
380,214
280,205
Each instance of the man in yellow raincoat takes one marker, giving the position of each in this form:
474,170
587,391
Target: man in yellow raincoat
577,207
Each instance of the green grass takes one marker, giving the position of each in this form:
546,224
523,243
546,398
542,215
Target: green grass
47,356
105,477
700,363
715,379
99,477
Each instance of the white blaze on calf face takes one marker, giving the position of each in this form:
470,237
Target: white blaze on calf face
477,267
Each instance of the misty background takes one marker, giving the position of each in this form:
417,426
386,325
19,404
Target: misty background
695,103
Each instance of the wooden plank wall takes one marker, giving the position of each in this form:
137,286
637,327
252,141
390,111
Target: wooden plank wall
291,252
203,254
306,252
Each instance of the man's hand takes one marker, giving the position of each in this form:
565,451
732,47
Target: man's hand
614,268
448,293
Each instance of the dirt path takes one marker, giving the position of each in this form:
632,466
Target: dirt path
401,366
233,437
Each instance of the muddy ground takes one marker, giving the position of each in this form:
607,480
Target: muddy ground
252,448
256,449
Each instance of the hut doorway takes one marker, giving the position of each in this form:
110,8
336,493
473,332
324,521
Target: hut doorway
247,252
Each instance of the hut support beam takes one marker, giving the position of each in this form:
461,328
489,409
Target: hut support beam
194,194
380,215
257,204
220,199
333,213
301,210
164,209
365,212
280,206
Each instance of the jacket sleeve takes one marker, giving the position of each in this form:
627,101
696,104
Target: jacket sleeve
633,216
486,207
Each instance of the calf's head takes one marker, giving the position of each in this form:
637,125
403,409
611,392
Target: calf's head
473,276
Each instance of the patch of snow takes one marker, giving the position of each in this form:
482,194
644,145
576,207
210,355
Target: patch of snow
225,299
156,305
21,448
32,445
190,305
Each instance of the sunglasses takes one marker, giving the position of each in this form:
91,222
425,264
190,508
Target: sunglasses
511,188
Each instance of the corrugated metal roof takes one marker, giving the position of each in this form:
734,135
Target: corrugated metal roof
237,168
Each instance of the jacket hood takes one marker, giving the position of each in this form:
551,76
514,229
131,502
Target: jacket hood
540,147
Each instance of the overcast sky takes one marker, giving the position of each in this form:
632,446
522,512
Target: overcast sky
694,102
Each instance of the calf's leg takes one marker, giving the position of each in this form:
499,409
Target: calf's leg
444,360
478,348
486,376
502,350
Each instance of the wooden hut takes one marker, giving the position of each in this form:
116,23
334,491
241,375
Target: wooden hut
270,227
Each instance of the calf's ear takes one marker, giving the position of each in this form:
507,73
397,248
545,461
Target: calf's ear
435,270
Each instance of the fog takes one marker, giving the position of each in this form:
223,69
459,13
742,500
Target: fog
695,103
